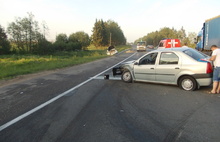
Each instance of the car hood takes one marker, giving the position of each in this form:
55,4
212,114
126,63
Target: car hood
129,62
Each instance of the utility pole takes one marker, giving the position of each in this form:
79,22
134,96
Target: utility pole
110,39
30,35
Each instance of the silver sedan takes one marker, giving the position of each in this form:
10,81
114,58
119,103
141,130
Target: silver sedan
185,67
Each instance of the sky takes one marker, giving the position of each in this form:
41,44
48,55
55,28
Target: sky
136,18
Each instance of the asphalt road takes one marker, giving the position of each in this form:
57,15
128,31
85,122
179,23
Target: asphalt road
99,110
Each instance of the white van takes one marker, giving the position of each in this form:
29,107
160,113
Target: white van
141,46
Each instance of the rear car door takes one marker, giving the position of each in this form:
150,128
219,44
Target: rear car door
168,67
145,69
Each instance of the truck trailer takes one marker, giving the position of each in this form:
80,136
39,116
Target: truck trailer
209,34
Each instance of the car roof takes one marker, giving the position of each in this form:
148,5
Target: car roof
174,49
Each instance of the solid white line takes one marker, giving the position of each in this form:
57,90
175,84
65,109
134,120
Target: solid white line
55,98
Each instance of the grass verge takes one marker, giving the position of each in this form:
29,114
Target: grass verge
14,65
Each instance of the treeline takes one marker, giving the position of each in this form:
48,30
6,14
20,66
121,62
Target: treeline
107,33
154,38
24,35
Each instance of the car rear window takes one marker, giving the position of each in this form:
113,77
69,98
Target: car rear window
194,54
168,58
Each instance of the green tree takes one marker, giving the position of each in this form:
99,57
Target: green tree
155,37
182,34
152,38
107,33
73,38
61,42
99,36
115,34
23,32
4,43
80,37
15,32
74,42
189,40
168,33
62,38
43,46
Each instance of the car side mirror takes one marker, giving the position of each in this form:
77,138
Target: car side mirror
136,63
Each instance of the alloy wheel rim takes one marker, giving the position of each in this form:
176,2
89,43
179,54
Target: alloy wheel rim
187,84
126,76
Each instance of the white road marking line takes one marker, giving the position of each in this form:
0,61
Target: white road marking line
55,98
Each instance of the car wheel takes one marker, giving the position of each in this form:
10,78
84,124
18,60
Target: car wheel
126,76
187,83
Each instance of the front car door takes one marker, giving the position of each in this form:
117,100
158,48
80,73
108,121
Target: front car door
145,69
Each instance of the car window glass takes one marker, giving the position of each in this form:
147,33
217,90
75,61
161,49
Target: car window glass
149,59
141,43
168,58
194,54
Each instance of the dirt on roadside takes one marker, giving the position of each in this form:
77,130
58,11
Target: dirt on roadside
25,77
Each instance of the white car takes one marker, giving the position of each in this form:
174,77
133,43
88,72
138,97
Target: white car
185,67
111,50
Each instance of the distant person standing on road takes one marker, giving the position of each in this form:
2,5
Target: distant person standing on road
185,45
216,73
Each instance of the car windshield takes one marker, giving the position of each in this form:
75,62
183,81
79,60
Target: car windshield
195,54
141,43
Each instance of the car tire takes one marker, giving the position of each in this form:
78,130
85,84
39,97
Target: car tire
126,76
187,83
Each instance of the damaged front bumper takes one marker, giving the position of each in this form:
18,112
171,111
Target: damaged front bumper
117,70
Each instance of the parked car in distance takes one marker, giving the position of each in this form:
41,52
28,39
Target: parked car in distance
185,67
111,50
150,46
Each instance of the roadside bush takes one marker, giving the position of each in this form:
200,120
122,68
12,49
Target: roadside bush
73,46
59,46
70,46
44,47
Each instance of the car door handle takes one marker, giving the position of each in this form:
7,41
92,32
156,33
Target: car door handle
177,68
152,68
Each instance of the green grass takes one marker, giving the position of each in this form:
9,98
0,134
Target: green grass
122,47
14,65
118,48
